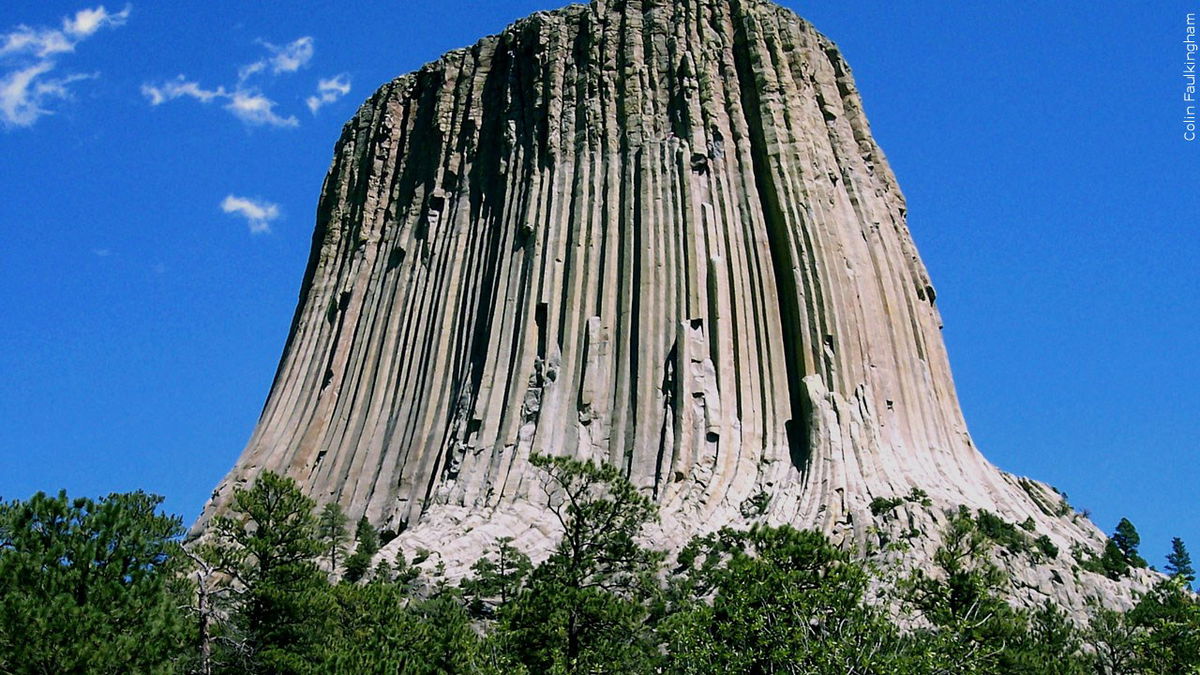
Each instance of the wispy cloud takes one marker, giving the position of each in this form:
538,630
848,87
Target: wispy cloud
88,21
25,94
328,91
254,108
286,59
247,103
180,87
258,213
44,42
27,62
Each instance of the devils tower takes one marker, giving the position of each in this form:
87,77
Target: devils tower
655,234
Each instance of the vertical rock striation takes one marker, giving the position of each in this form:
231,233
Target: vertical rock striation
656,234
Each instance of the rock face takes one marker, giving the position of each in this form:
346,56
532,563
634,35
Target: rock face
656,234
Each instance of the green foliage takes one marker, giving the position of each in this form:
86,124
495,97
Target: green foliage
1064,506
1046,547
1050,644
882,505
968,581
331,531
99,587
1002,532
1014,538
1160,636
380,628
585,608
1115,643
267,549
755,505
1119,555
784,601
89,586
497,578
404,575
1112,563
976,631
1179,563
919,496
1127,540
421,555
366,536
367,545
1168,623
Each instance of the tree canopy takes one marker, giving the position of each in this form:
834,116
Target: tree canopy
105,587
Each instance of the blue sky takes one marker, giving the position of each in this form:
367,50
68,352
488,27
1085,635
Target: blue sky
160,167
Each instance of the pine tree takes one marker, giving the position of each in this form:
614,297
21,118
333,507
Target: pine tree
585,608
331,530
759,577
268,548
497,578
367,539
90,586
1126,538
1179,563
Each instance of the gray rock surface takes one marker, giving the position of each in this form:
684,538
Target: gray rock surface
657,234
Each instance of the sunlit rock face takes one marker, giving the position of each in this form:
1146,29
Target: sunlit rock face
656,234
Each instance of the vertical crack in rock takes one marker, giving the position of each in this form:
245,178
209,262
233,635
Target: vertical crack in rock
654,234
787,271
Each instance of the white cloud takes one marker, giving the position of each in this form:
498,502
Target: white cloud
258,213
328,91
36,42
249,69
88,21
101,252
254,108
247,103
20,104
286,59
290,57
26,82
180,87
44,42
25,93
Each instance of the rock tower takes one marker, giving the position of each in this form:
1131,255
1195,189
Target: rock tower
646,232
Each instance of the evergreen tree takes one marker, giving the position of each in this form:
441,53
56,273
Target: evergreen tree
268,548
497,578
1127,540
1113,562
1168,639
331,530
784,601
381,629
366,536
90,586
1115,643
367,545
1179,563
585,608
975,629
